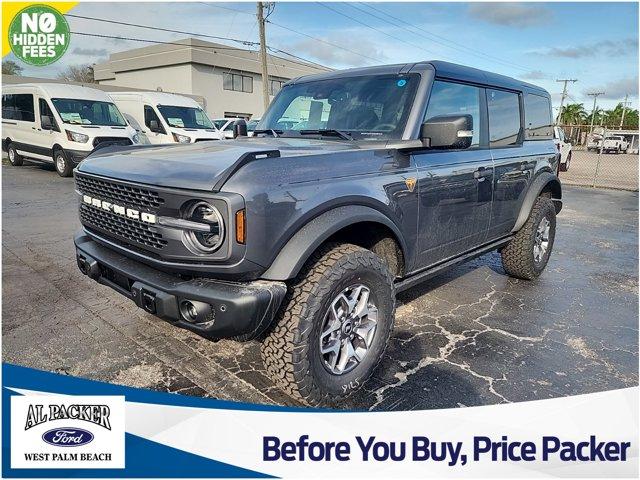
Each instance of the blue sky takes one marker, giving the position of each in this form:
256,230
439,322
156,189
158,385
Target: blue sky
597,43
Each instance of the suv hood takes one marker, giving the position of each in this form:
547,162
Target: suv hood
197,166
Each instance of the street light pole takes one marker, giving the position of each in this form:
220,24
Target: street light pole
593,111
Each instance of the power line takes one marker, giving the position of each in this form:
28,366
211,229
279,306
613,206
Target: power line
455,45
371,27
212,47
322,41
137,25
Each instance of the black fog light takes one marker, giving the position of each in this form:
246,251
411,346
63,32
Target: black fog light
196,312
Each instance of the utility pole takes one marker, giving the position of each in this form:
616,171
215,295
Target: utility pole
263,55
624,110
564,95
593,111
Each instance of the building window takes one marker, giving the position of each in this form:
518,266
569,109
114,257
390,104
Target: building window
275,86
237,82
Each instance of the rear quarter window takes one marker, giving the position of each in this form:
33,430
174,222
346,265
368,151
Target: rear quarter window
537,117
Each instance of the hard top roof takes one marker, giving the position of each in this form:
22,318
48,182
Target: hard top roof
442,70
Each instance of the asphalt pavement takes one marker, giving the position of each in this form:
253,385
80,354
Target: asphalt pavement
470,337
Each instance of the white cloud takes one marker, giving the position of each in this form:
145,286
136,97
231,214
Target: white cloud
510,14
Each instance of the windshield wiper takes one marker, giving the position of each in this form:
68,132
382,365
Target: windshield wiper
271,131
330,132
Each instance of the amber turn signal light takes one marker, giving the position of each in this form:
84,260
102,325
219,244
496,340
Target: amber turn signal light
240,227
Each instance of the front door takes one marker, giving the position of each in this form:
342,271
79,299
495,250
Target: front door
46,138
455,186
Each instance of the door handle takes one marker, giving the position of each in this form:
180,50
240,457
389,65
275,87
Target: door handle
482,173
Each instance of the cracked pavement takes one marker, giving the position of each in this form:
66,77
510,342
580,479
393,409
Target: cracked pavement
472,336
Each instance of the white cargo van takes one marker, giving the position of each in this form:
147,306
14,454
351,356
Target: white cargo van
165,117
59,124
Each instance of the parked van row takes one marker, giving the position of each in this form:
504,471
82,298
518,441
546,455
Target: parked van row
62,124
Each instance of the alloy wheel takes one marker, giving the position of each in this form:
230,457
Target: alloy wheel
348,329
541,242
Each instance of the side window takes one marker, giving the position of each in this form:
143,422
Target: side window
456,99
46,111
150,114
24,108
537,118
8,107
504,118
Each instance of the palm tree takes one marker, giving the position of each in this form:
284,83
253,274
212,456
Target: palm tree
573,114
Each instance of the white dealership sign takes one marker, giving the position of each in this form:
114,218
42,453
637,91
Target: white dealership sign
54,431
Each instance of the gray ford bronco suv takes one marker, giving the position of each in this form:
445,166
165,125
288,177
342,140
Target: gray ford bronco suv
357,184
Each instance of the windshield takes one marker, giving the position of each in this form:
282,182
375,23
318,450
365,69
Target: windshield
185,117
251,125
88,112
369,107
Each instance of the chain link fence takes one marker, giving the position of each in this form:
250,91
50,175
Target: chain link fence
602,159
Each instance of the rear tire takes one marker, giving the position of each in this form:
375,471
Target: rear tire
343,296
564,167
527,254
63,166
14,157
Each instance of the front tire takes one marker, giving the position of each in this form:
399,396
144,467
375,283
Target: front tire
63,166
527,254
14,157
333,326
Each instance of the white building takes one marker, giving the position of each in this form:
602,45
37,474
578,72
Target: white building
228,79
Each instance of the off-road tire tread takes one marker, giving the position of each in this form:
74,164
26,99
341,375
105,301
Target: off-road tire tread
517,259
284,349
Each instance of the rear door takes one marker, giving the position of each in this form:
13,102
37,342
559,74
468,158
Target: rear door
455,186
515,158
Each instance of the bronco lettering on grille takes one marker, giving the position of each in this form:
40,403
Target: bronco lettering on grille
119,209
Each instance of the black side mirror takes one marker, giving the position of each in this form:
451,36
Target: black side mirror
153,126
240,128
447,131
45,122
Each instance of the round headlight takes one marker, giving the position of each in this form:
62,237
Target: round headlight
205,213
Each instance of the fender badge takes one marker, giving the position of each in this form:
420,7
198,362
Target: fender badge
411,183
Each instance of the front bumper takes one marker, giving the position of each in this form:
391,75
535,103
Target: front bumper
76,156
226,309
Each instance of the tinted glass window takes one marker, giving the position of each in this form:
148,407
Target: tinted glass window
150,114
504,118
537,117
8,107
45,110
456,99
18,106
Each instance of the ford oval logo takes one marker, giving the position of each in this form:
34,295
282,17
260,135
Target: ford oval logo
67,437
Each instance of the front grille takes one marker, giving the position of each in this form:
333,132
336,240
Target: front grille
129,229
119,193
112,140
